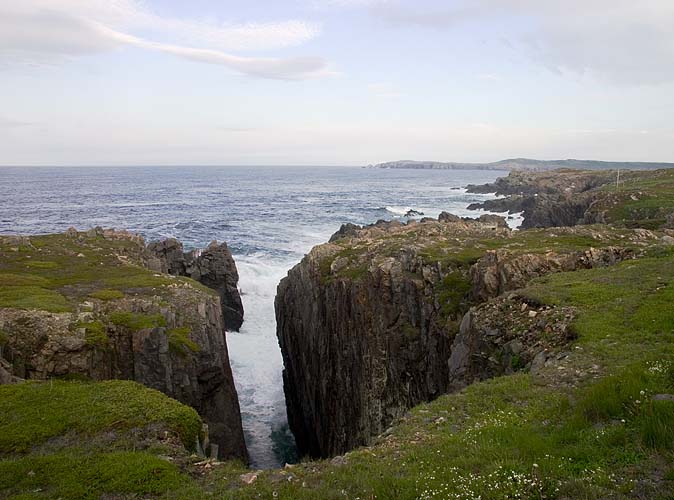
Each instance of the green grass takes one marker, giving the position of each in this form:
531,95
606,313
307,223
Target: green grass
180,342
452,292
523,437
33,297
32,413
137,321
57,272
556,435
95,333
80,475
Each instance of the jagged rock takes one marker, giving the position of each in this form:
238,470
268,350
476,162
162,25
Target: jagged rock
574,197
6,375
413,213
213,267
366,325
344,231
495,220
357,354
500,336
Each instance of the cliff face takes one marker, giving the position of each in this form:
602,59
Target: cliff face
574,197
108,318
357,353
368,324
213,267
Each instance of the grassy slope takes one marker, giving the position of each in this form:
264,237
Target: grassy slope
81,440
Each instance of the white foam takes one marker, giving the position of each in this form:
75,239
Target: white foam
398,210
256,358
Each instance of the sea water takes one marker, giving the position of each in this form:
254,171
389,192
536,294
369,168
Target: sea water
269,216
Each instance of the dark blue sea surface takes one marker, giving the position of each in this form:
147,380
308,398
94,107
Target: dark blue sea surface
269,216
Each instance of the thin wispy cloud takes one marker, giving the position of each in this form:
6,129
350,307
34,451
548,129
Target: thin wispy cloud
618,40
49,31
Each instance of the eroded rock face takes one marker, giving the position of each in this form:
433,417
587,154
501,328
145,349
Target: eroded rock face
368,324
357,353
575,197
213,267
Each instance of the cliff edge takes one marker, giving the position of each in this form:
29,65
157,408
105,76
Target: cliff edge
88,306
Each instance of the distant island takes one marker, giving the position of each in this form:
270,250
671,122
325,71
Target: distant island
525,164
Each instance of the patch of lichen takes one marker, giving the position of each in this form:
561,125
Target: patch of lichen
180,342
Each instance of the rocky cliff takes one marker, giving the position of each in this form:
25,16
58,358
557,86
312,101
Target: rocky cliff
213,267
573,197
84,305
368,323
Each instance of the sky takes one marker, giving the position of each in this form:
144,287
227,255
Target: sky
334,82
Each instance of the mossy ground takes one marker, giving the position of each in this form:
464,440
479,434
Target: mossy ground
82,439
56,272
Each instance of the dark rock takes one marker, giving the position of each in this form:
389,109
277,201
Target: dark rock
496,220
447,217
413,213
213,267
357,354
500,337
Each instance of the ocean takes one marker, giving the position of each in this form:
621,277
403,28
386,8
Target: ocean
269,216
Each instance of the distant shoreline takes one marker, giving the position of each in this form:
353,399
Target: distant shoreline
524,164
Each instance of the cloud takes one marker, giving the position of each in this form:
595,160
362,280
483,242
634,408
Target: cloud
618,40
48,31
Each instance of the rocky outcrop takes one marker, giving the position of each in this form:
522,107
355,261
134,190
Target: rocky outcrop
368,324
162,332
543,210
505,335
573,197
501,270
213,267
